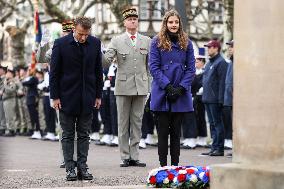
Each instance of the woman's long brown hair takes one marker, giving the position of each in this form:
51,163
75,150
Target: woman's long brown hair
164,40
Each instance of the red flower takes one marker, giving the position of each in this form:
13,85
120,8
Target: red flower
171,177
207,173
178,168
181,177
152,180
190,171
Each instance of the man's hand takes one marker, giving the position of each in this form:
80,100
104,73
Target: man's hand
98,103
56,104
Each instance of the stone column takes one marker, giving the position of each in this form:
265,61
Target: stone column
258,110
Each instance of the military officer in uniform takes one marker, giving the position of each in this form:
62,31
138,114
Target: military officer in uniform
11,88
132,86
23,109
3,70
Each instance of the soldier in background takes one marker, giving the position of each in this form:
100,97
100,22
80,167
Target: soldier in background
18,121
40,76
3,71
23,109
49,112
10,90
228,100
32,102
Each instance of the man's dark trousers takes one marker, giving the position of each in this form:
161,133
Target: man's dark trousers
214,112
82,123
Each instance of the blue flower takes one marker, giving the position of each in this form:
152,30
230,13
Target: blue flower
174,172
203,177
160,176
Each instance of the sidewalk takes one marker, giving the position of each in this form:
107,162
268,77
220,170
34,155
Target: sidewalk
103,187
26,163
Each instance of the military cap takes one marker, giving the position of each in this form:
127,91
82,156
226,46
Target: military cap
3,67
230,43
67,26
129,12
11,69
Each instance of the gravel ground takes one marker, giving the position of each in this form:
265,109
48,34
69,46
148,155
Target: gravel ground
26,163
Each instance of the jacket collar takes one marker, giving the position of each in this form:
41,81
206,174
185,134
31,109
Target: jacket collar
176,45
71,39
212,59
128,40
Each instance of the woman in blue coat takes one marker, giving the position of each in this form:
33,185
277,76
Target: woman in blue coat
172,65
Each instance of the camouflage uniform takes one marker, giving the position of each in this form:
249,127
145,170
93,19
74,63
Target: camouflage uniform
2,113
11,88
23,110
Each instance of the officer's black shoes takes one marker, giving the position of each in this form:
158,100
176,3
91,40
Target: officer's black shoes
2,132
10,133
229,155
83,174
62,164
217,153
136,163
207,153
124,163
71,175
18,132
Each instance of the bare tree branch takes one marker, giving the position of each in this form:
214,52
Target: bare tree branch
8,9
50,21
6,16
78,8
116,7
84,9
90,4
53,11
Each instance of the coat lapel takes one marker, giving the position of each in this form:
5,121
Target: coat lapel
127,40
176,45
139,41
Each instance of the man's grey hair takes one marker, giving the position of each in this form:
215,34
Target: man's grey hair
85,22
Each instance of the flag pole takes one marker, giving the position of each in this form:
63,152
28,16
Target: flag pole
37,32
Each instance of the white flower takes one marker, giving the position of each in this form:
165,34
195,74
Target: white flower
194,168
168,167
193,178
183,172
175,180
153,172
166,181
201,175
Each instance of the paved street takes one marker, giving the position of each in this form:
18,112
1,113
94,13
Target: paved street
26,163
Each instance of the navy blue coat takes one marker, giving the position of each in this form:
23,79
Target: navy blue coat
228,96
214,80
76,74
32,92
176,67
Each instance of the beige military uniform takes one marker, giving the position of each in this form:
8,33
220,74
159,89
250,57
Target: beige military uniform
2,113
131,87
11,88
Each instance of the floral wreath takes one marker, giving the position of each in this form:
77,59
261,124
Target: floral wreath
183,177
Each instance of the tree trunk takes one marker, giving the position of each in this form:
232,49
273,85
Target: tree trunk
16,47
188,15
228,20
